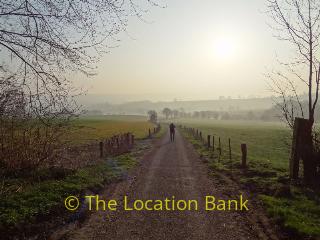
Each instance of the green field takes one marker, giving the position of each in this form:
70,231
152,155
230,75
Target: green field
292,206
89,128
40,192
266,142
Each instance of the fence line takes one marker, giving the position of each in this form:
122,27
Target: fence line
92,152
121,143
197,134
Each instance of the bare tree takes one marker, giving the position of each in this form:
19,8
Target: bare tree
50,37
42,41
175,113
298,22
153,116
167,112
41,44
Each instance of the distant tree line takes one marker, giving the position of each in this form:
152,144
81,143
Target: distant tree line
260,115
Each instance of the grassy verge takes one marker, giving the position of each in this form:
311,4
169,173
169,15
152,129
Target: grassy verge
45,195
295,208
298,214
162,131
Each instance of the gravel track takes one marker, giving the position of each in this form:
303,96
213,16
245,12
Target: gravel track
171,169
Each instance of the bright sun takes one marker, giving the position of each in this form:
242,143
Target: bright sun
224,48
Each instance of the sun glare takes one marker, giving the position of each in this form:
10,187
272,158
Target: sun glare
224,48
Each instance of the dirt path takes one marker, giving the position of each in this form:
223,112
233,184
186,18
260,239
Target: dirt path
170,169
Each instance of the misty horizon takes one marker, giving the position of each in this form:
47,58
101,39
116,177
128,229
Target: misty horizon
225,51
127,98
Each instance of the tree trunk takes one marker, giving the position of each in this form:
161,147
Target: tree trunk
308,156
302,148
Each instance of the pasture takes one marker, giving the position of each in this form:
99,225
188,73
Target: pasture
267,142
90,128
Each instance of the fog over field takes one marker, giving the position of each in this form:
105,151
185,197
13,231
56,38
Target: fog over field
141,107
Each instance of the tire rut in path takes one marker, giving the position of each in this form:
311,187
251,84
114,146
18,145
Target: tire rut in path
171,169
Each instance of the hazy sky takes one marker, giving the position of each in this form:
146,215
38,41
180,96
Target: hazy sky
192,50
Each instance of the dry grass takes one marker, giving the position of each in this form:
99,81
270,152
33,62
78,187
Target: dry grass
100,127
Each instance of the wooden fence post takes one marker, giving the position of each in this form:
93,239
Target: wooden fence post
297,148
219,148
132,140
118,144
107,146
230,157
200,134
149,133
244,155
111,145
213,143
154,130
209,138
129,139
101,149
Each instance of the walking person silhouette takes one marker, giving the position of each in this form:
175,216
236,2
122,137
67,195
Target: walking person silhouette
172,132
